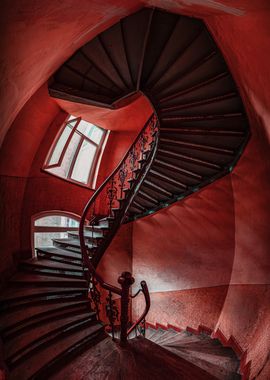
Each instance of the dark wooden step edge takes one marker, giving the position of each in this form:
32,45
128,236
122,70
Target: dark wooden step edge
45,298
31,323
68,354
46,340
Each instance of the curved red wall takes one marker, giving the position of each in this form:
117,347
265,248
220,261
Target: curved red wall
224,225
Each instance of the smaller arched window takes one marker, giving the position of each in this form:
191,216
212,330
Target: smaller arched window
50,225
76,154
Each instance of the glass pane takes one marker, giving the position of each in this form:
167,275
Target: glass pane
63,170
91,131
44,239
60,146
84,162
56,221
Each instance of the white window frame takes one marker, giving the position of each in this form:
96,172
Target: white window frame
47,229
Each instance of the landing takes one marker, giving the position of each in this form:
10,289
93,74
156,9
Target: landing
140,359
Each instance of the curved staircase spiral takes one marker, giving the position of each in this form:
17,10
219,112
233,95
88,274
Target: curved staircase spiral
49,331
195,135
174,62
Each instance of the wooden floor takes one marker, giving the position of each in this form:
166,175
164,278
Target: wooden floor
139,359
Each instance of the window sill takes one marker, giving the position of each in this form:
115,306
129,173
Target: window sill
70,181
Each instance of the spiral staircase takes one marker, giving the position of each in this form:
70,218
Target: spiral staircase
195,135
174,62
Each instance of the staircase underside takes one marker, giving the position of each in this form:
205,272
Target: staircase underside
175,63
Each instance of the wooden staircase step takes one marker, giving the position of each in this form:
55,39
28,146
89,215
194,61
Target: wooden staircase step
97,362
27,324
168,334
153,359
208,148
167,179
55,251
200,350
22,346
189,173
157,335
182,338
43,362
150,332
95,228
71,242
148,197
26,279
189,159
90,235
45,263
157,188
60,259
222,369
201,131
105,222
17,296
15,320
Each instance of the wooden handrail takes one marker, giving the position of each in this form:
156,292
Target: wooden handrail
146,309
125,279
86,259
101,187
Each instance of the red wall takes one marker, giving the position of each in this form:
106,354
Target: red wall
27,190
36,41
228,232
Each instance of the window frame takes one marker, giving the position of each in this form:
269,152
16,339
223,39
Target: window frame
46,229
97,157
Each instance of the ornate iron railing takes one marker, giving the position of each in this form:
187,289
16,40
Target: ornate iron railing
108,207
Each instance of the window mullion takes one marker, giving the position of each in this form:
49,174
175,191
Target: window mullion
75,157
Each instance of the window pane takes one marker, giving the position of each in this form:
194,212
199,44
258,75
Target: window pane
91,131
56,221
63,170
84,162
60,146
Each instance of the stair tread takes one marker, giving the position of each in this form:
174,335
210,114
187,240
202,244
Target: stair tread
36,278
70,242
147,354
219,357
103,358
88,234
60,251
168,335
220,368
41,358
30,312
14,293
33,337
46,263
200,349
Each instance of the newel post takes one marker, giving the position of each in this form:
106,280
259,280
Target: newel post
125,280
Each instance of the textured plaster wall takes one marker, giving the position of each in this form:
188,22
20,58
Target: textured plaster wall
228,230
186,240
26,190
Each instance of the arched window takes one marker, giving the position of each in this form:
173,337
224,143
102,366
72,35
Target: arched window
76,154
52,225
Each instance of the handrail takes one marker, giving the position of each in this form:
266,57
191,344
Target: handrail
100,280
101,187
147,307
84,214
126,167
